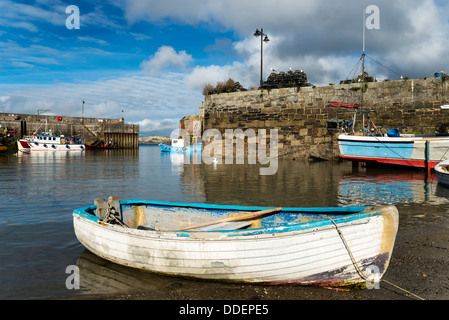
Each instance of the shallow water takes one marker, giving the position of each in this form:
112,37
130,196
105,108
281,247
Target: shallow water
40,191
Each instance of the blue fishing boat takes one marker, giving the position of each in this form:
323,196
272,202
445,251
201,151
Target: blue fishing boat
178,145
404,150
371,146
331,247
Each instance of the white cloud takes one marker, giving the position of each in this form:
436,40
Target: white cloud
321,70
21,14
200,76
164,58
150,125
21,25
92,39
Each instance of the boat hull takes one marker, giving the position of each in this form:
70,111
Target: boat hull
402,151
169,148
309,253
27,146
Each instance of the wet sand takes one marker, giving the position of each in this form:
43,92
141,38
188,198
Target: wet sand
419,269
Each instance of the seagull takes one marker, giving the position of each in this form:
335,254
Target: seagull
273,70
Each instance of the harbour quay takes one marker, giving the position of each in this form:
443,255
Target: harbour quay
308,125
93,130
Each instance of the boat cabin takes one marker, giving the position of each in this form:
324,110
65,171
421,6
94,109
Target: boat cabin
177,143
42,138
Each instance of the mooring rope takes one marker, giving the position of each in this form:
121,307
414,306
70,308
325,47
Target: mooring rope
406,291
354,262
359,270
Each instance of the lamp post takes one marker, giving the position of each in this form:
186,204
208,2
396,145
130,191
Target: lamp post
262,40
82,113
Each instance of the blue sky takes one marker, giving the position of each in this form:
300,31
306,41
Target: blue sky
152,58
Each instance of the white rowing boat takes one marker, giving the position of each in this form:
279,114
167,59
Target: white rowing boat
309,246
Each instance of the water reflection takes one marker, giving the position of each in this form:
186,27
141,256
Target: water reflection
29,157
302,183
99,276
380,187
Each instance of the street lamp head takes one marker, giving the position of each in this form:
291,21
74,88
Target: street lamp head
257,33
266,39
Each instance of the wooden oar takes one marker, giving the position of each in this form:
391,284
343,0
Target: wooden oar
242,217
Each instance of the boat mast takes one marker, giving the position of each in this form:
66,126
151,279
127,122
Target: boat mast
363,73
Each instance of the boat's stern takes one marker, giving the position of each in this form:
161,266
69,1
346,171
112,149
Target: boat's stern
23,145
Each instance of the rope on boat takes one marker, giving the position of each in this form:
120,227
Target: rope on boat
354,262
400,156
408,292
412,165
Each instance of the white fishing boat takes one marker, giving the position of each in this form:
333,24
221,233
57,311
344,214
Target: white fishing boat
331,247
49,142
442,172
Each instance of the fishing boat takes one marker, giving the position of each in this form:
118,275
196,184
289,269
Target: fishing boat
442,172
330,247
49,142
178,145
371,146
404,150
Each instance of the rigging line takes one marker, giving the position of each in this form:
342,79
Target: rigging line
444,154
383,66
400,156
353,71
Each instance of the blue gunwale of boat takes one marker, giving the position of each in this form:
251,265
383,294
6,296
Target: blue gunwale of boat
340,214
334,210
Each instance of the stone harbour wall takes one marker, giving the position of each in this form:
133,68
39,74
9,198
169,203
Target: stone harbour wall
300,114
92,129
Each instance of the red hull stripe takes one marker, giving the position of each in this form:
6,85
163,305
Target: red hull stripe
400,162
24,144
